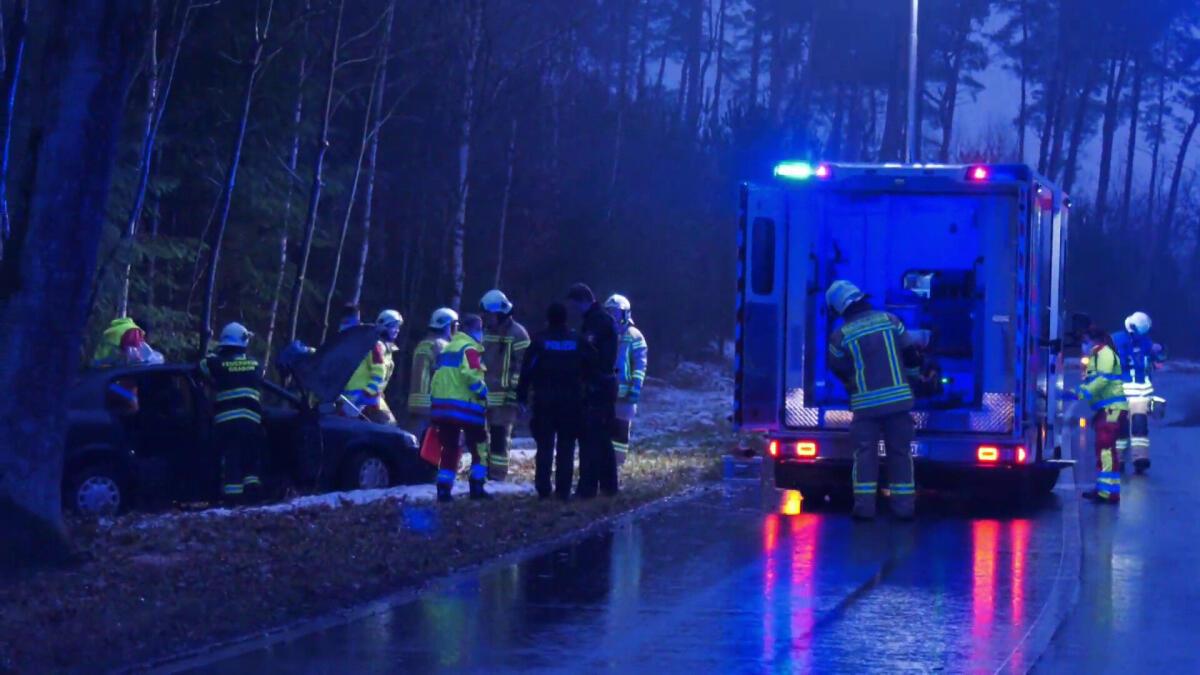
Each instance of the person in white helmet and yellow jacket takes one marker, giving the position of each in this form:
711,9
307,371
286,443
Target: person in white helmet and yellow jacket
631,372
424,362
504,345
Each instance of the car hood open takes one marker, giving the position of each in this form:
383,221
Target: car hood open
324,373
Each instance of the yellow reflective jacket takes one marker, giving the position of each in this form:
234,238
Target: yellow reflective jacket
369,382
504,350
108,351
458,392
424,363
1103,383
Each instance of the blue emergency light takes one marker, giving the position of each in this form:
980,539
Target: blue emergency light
802,170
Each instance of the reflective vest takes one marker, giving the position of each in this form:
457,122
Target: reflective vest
458,392
866,354
1102,385
424,363
503,351
631,362
237,380
111,349
1137,362
369,381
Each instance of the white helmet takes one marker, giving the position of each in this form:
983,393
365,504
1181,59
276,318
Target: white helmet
842,294
390,319
496,301
235,335
443,318
620,304
1138,322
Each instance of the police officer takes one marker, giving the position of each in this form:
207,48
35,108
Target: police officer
873,355
237,432
598,341
552,372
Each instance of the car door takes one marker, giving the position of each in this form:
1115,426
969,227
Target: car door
173,431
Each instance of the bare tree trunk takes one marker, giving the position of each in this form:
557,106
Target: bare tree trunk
158,91
778,69
14,57
506,198
262,28
363,144
1135,104
892,145
1022,111
718,78
88,60
372,156
1154,188
695,88
1180,159
1052,99
458,230
293,162
1078,125
1112,113
1058,129
949,103
643,49
314,197
756,52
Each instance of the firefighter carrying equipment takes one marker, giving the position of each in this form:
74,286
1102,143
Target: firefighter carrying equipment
367,385
873,355
842,294
458,392
237,417
1139,356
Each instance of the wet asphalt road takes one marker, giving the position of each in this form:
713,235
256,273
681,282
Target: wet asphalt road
718,583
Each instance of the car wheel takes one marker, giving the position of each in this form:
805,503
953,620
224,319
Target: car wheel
366,471
95,491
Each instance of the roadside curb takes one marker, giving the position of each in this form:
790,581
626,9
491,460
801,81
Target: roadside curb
1064,593
219,651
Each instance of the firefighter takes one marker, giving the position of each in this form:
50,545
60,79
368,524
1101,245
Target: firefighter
504,344
874,355
631,372
1138,355
364,394
552,372
1103,390
459,407
598,340
237,432
122,344
424,363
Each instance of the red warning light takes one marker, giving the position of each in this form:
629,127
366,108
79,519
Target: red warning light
773,448
1022,455
979,173
987,453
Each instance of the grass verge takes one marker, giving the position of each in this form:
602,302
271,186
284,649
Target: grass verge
142,589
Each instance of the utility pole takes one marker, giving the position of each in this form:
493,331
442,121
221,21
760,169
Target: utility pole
910,140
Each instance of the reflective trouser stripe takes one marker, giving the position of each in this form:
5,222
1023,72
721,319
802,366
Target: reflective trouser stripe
445,476
234,489
478,471
865,488
1108,484
252,480
621,447
903,488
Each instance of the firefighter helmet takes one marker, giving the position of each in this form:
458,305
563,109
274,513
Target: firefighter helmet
495,301
443,318
235,335
1138,322
842,294
618,305
390,319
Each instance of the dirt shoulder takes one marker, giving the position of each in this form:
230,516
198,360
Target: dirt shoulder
151,585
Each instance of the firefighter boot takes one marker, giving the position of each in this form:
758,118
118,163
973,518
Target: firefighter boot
477,491
864,507
1141,464
443,492
1095,496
